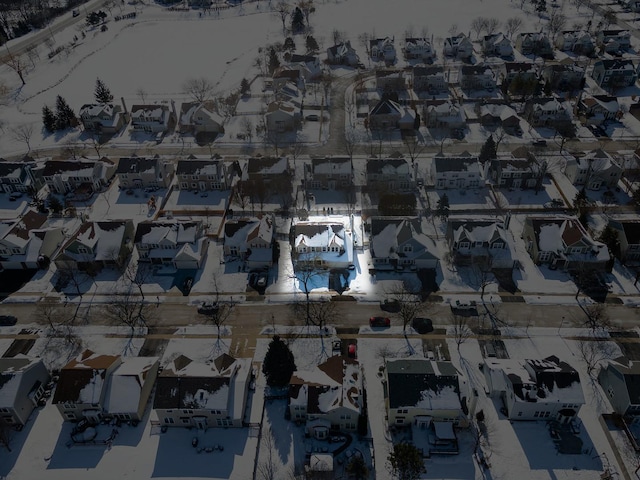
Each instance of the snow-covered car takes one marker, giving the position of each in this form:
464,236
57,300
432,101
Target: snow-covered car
379,322
465,305
208,308
554,203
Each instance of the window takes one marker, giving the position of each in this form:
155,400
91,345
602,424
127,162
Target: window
215,412
70,416
497,245
407,248
400,420
168,420
464,245
544,256
576,250
345,417
403,410
519,414
185,420
187,411
4,410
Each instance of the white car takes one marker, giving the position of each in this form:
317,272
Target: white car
465,305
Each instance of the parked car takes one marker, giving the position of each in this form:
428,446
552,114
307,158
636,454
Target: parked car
186,286
422,325
351,350
379,322
539,143
392,306
75,13
554,203
7,320
208,308
312,118
465,305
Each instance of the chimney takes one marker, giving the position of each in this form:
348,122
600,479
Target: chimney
124,105
173,108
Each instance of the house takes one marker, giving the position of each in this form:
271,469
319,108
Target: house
416,48
594,170
389,174
183,244
17,177
443,114
267,169
478,242
204,174
620,381
477,77
612,74
323,244
27,243
130,386
141,172
614,41
430,79
203,395
564,77
579,42
342,54
390,115
419,388
327,398
400,243
308,65
633,5
497,45
462,171
23,381
534,43
282,117
389,80
628,231
151,118
251,240
540,389
499,114
546,112
598,109
328,173
82,386
520,78
103,118
97,245
562,242
286,74
458,46
382,49
79,176
520,170
200,117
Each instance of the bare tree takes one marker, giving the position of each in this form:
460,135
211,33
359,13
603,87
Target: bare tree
126,308
557,22
460,329
597,316
282,9
240,196
414,148
33,54
73,150
268,468
17,64
142,95
221,311
478,24
94,142
200,89
512,25
410,303
60,321
22,133
481,274
595,351
305,271
492,25
350,141
247,128
539,168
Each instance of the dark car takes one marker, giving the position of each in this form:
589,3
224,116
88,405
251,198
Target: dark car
422,325
379,322
208,308
7,320
186,286
392,306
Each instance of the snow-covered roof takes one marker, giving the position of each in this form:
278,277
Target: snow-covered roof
171,233
104,239
243,231
556,234
12,371
319,234
127,382
389,235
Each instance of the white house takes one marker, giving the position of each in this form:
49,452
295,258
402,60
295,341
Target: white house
130,386
498,45
418,49
462,171
250,239
182,244
150,118
198,117
443,114
23,381
595,170
458,46
323,244
382,49
342,54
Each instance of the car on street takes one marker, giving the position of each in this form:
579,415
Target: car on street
186,286
392,305
208,308
312,118
7,320
554,203
379,322
465,305
539,143
75,13
422,325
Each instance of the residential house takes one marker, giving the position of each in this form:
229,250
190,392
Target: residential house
204,174
82,386
418,388
342,54
390,80
129,387
390,115
329,173
633,5
382,49
564,77
562,242
458,46
155,118
416,48
399,244
546,112
461,171
497,45
598,109
499,114
520,170
477,77
289,93
614,41
429,79
628,231
389,174
540,389
286,74
534,43
308,65
620,381
478,242
579,42
78,176
327,398
443,114
520,78
200,117
203,395
612,74
323,244
97,245
594,170
27,243
267,169
251,240
23,381
17,177
282,117
103,118
141,172
182,244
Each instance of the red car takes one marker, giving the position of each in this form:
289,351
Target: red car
351,350
379,322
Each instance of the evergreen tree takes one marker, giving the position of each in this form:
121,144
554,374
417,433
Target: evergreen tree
289,45
278,365
65,117
488,150
541,6
311,44
102,94
274,62
55,205
442,207
405,462
48,119
609,237
244,86
297,20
